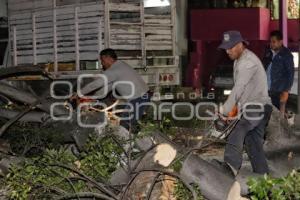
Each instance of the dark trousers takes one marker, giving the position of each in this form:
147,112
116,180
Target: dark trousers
251,134
137,111
275,97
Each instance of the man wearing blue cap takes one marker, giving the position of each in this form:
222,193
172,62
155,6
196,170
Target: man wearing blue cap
250,95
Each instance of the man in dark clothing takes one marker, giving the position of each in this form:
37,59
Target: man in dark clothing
279,65
128,84
250,91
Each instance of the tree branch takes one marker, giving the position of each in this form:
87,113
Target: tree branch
98,185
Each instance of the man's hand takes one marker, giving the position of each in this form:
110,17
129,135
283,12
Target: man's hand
284,96
73,97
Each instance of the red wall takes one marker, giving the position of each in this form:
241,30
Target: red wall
253,23
293,32
207,28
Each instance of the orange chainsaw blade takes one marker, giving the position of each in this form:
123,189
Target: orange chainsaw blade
233,112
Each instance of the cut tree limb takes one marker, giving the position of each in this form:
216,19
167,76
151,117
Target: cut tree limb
32,116
16,118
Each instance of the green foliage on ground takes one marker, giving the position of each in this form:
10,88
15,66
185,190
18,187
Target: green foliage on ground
40,178
182,193
268,188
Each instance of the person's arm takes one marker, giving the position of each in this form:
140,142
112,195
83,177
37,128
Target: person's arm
101,91
245,74
98,83
290,70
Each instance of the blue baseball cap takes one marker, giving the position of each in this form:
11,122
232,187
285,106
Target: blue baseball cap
231,38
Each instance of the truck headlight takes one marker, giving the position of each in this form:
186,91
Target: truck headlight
227,92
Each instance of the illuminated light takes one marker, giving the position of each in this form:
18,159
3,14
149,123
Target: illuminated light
227,92
156,3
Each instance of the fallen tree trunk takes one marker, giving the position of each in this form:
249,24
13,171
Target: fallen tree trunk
28,98
22,71
214,184
33,116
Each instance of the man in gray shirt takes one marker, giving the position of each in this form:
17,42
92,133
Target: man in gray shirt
125,81
250,96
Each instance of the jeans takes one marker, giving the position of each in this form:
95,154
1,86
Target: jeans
251,134
275,97
137,109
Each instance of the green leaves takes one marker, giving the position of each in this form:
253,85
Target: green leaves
268,188
182,193
39,178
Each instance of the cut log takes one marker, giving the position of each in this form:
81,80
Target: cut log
142,187
32,116
164,154
28,98
213,183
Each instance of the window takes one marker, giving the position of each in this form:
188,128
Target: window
293,9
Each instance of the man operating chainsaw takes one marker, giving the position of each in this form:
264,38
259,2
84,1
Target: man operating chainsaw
125,83
250,98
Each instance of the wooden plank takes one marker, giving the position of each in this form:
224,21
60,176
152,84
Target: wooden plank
107,30
100,36
89,43
48,33
158,37
88,20
15,60
28,5
162,42
25,59
24,27
55,52
89,55
99,13
21,21
34,39
124,7
152,16
63,57
77,61
91,8
126,47
68,22
125,31
24,37
18,16
125,37
153,30
174,28
62,47
126,42
160,47
46,45
60,50
43,13
13,7
38,52
157,21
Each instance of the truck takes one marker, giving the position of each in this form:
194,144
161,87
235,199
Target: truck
66,36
